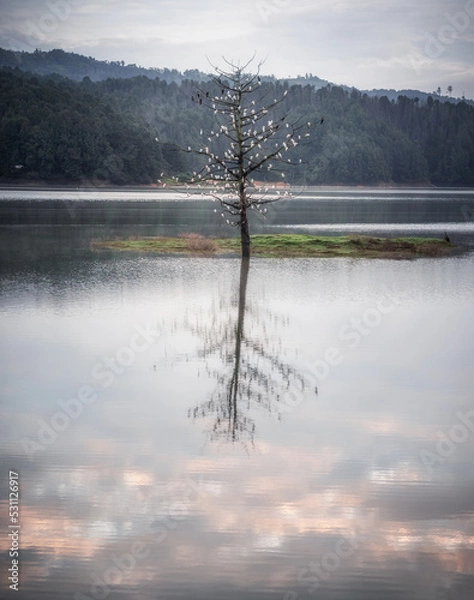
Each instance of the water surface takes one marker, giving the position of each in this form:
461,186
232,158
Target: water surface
187,428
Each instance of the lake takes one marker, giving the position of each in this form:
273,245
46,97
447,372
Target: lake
184,427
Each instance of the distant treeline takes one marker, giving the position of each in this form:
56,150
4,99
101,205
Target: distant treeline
55,128
76,66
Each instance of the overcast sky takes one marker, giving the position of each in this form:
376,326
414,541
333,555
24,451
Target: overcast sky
419,44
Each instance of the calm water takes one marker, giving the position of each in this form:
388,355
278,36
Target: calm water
190,428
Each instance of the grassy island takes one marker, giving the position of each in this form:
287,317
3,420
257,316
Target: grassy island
287,246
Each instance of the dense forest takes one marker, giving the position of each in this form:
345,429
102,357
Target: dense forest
125,131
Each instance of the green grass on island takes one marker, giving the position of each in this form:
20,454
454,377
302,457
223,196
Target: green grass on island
287,246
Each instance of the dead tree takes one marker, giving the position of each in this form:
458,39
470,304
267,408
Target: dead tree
255,140
242,350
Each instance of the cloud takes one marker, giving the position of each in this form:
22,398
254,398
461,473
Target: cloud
364,43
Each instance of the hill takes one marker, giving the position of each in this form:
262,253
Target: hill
54,128
412,94
76,67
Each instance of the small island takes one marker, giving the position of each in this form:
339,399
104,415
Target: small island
288,246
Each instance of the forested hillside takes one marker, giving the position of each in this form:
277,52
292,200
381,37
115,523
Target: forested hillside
58,130
54,128
76,67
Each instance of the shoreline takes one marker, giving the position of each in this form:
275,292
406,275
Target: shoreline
38,186
287,246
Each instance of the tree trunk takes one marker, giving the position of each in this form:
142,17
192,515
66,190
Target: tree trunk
239,334
245,237
244,224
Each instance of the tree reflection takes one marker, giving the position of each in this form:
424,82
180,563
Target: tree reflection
252,369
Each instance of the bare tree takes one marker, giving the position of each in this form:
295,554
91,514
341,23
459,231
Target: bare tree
242,350
255,137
